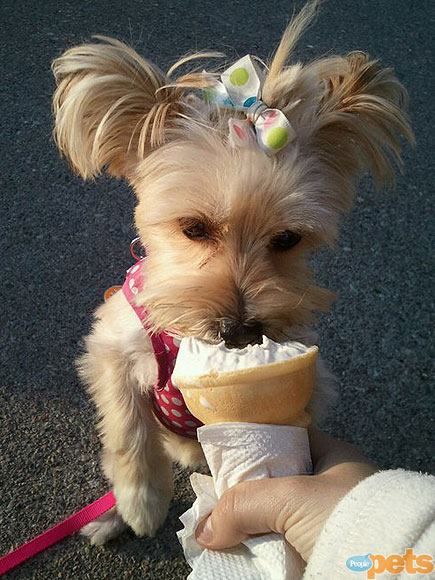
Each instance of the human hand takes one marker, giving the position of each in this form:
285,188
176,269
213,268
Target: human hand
296,507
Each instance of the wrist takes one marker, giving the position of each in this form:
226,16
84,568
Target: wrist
348,473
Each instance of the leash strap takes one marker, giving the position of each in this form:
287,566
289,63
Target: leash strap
67,527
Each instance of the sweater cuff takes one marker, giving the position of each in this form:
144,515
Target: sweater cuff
384,514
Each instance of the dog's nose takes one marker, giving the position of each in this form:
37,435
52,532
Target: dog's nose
237,334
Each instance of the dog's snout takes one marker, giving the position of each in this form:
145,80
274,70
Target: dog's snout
237,334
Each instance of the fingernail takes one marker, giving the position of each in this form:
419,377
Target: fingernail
204,532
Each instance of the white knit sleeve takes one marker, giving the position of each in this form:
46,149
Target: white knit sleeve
384,514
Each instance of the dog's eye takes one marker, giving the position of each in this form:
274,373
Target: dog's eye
285,240
194,229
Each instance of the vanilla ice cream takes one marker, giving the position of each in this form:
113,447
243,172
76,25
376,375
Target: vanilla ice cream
197,357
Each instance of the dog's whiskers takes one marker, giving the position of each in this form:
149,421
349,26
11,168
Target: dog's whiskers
300,299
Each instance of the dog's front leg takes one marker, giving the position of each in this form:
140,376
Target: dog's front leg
140,471
117,365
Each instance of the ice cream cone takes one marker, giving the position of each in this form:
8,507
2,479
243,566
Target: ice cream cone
274,393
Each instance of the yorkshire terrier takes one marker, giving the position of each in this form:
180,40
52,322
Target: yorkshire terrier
228,217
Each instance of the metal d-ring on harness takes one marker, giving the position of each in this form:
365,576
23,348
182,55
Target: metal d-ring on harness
137,250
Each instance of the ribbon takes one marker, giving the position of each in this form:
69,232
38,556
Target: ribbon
240,89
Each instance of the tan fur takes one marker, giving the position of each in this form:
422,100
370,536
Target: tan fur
116,111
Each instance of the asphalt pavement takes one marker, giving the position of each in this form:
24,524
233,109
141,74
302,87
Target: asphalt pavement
63,242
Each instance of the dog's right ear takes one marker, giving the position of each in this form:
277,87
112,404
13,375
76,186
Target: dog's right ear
111,106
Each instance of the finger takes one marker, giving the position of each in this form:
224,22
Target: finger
249,508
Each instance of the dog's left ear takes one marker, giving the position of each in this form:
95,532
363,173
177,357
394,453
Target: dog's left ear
348,111
360,118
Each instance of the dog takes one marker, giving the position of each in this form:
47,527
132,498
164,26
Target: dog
228,226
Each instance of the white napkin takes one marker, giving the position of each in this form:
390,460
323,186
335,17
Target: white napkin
238,452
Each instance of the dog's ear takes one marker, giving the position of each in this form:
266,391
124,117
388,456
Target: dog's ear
361,116
349,110
111,106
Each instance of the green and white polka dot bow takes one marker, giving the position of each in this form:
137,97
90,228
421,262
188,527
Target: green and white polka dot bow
240,89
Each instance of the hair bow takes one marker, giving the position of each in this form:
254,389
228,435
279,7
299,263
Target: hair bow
240,89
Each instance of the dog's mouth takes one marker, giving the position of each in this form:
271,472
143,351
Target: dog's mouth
237,334
234,338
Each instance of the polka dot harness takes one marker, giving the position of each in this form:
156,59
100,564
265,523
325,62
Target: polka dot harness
168,403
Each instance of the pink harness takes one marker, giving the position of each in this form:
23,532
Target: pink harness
168,403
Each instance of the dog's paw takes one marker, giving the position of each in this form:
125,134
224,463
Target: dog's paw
104,528
143,508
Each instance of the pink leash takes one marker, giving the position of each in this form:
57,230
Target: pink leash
67,527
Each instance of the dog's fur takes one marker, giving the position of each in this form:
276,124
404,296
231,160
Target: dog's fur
116,111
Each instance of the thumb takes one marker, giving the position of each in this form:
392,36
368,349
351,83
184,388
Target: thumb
249,508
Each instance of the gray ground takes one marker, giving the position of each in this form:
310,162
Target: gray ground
63,242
